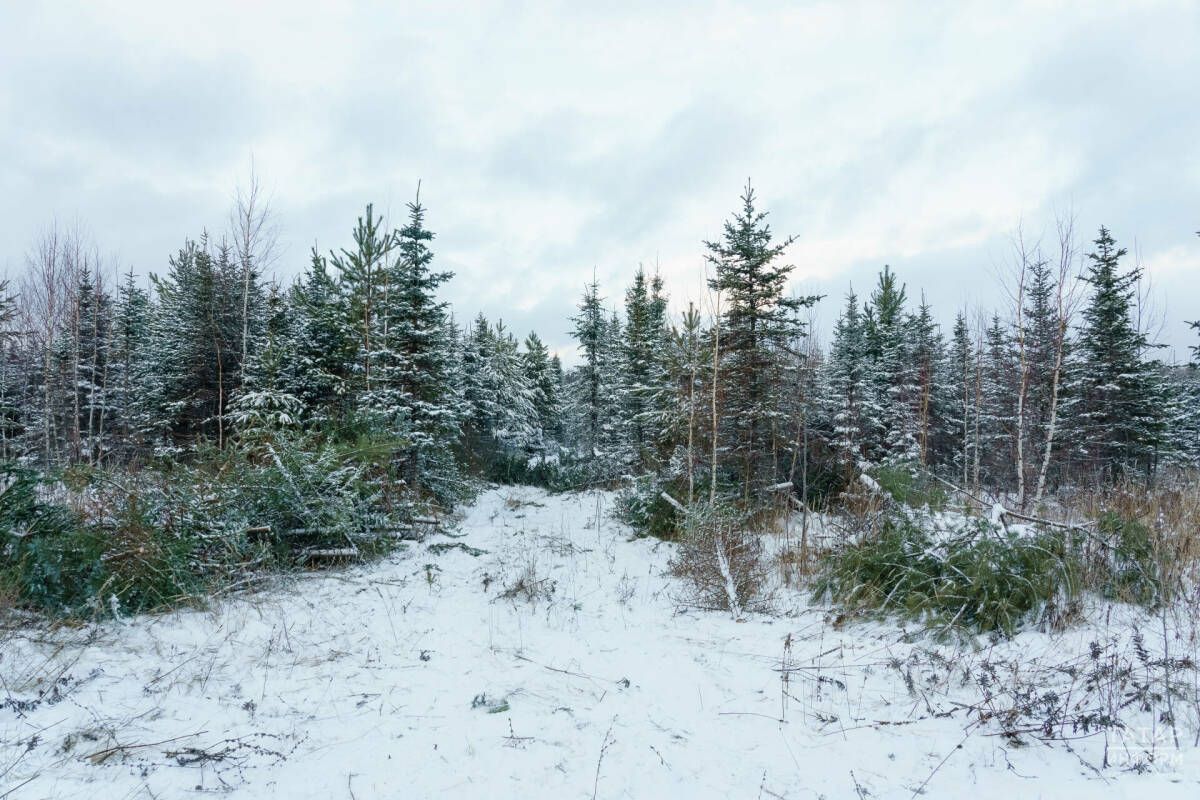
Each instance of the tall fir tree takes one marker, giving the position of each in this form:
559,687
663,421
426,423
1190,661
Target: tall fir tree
852,407
644,349
760,323
1119,420
417,339
887,343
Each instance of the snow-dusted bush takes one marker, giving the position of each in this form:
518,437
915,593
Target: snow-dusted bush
979,577
644,508
721,560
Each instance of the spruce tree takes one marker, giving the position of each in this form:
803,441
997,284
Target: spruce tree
887,343
590,330
197,337
131,365
417,341
10,375
961,369
265,405
760,324
1119,421
325,344
544,382
852,408
644,351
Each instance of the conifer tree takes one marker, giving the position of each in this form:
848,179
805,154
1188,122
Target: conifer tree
419,348
852,405
131,364
998,406
265,404
683,423
932,399
10,378
544,382
362,278
961,370
1119,419
197,333
887,343
325,344
760,324
590,382
645,374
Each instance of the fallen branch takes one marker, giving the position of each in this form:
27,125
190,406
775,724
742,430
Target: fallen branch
675,504
100,756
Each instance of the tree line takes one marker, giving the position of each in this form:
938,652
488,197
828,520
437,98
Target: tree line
1062,386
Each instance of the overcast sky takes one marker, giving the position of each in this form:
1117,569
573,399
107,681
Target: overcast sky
552,140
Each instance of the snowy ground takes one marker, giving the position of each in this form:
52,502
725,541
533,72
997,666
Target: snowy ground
419,677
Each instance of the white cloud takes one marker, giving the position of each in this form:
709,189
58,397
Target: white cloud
556,138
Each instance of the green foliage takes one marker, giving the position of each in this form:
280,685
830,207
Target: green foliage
643,508
40,556
1131,571
174,532
558,474
909,488
979,577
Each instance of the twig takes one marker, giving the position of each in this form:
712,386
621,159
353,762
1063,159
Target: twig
608,741
100,756
941,763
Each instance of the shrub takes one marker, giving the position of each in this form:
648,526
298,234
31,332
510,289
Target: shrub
721,560
909,488
44,559
978,577
555,472
643,508
1129,571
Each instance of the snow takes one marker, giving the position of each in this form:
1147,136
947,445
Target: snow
546,657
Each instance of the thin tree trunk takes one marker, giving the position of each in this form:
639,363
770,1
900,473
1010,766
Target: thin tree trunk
712,491
978,402
691,453
1024,385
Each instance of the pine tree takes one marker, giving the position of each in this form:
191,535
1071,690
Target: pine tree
264,404
643,348
589,330
760,324
133,392
362,280
544,382
417,341
1119,421
852,407
887,342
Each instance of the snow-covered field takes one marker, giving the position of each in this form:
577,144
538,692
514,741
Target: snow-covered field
534,653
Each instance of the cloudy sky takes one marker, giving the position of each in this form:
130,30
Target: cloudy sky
552,140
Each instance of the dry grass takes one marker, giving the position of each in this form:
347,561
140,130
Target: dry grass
722,562
1170,512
